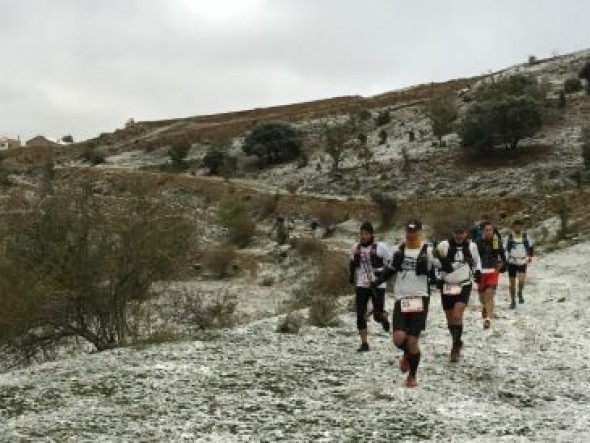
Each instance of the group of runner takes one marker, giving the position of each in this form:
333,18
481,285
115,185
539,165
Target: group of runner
452,266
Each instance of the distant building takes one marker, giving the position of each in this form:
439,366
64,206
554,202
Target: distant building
9,143
40,142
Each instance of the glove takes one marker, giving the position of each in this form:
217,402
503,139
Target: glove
477,276
440,283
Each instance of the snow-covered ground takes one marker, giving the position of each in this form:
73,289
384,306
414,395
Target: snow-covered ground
526,379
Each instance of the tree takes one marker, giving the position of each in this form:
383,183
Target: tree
383,118
273,143
67,139
336,138
442,113
572,85
178,153
506,111
585,139
585,75
74,263
505,121
214,160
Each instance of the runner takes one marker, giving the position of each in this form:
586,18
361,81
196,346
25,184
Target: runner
413,261
366,265
459,263
493,260
519,247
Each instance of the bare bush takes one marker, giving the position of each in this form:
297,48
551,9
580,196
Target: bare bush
309,247
267,205
387,205
236,216
219,259
290,324
323,311
209,309
74,262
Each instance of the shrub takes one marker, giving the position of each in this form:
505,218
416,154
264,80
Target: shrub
323,311
442,113
572,85
505,121
387,206
292,186
585,139
235,216
74,263
267,205
273,143
561,101
309,247
177,154
290,324
336,138
214,160
219,259
383,136
208,309
92,155
585,75
383,118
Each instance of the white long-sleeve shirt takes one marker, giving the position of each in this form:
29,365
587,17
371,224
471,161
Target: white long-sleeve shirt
462,273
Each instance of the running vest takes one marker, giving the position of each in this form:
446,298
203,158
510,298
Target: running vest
489,252
511,243
376,261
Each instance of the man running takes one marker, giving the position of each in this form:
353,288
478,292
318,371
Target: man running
519,247
366,265
413,262
460,261
493,260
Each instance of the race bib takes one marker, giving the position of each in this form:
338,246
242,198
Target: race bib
411,304
452,289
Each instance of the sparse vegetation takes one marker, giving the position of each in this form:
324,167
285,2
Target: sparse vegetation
336,138
387,205
584,74
236,217
571,85
218,260
585,139
383,118
177,154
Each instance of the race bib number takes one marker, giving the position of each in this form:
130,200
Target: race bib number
411,304
451,289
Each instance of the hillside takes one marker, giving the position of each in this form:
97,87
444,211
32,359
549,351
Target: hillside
527,379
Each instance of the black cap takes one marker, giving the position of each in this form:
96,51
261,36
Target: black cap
413,225
368,227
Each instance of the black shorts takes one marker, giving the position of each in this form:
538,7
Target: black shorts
411,323
363,295
514,269
448,301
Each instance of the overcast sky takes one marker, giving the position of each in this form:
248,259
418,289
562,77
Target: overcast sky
82,67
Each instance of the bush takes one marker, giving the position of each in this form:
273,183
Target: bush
383,118
505,121
267,205
236,217
387,206
572,85
585,139
273,143
219,259
292,187
214,160
442,113
336,138
382,137
74,263
290,324
323,311
309,247
208,309
585,74
177,154
92,156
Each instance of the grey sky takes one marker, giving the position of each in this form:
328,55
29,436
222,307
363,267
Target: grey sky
82,67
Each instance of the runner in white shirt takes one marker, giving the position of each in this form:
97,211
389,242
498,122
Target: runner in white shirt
366,265
413,263
459,263
519,248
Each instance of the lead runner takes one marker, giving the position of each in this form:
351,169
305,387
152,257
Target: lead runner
413,262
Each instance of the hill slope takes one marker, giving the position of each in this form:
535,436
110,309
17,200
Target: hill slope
527,378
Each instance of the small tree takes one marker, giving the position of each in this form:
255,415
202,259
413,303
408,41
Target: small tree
383,118
67,139
177,154
382,137
585,75
442,113
214,159
572,85
387,205
336,138
236,217
273,143
585,139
